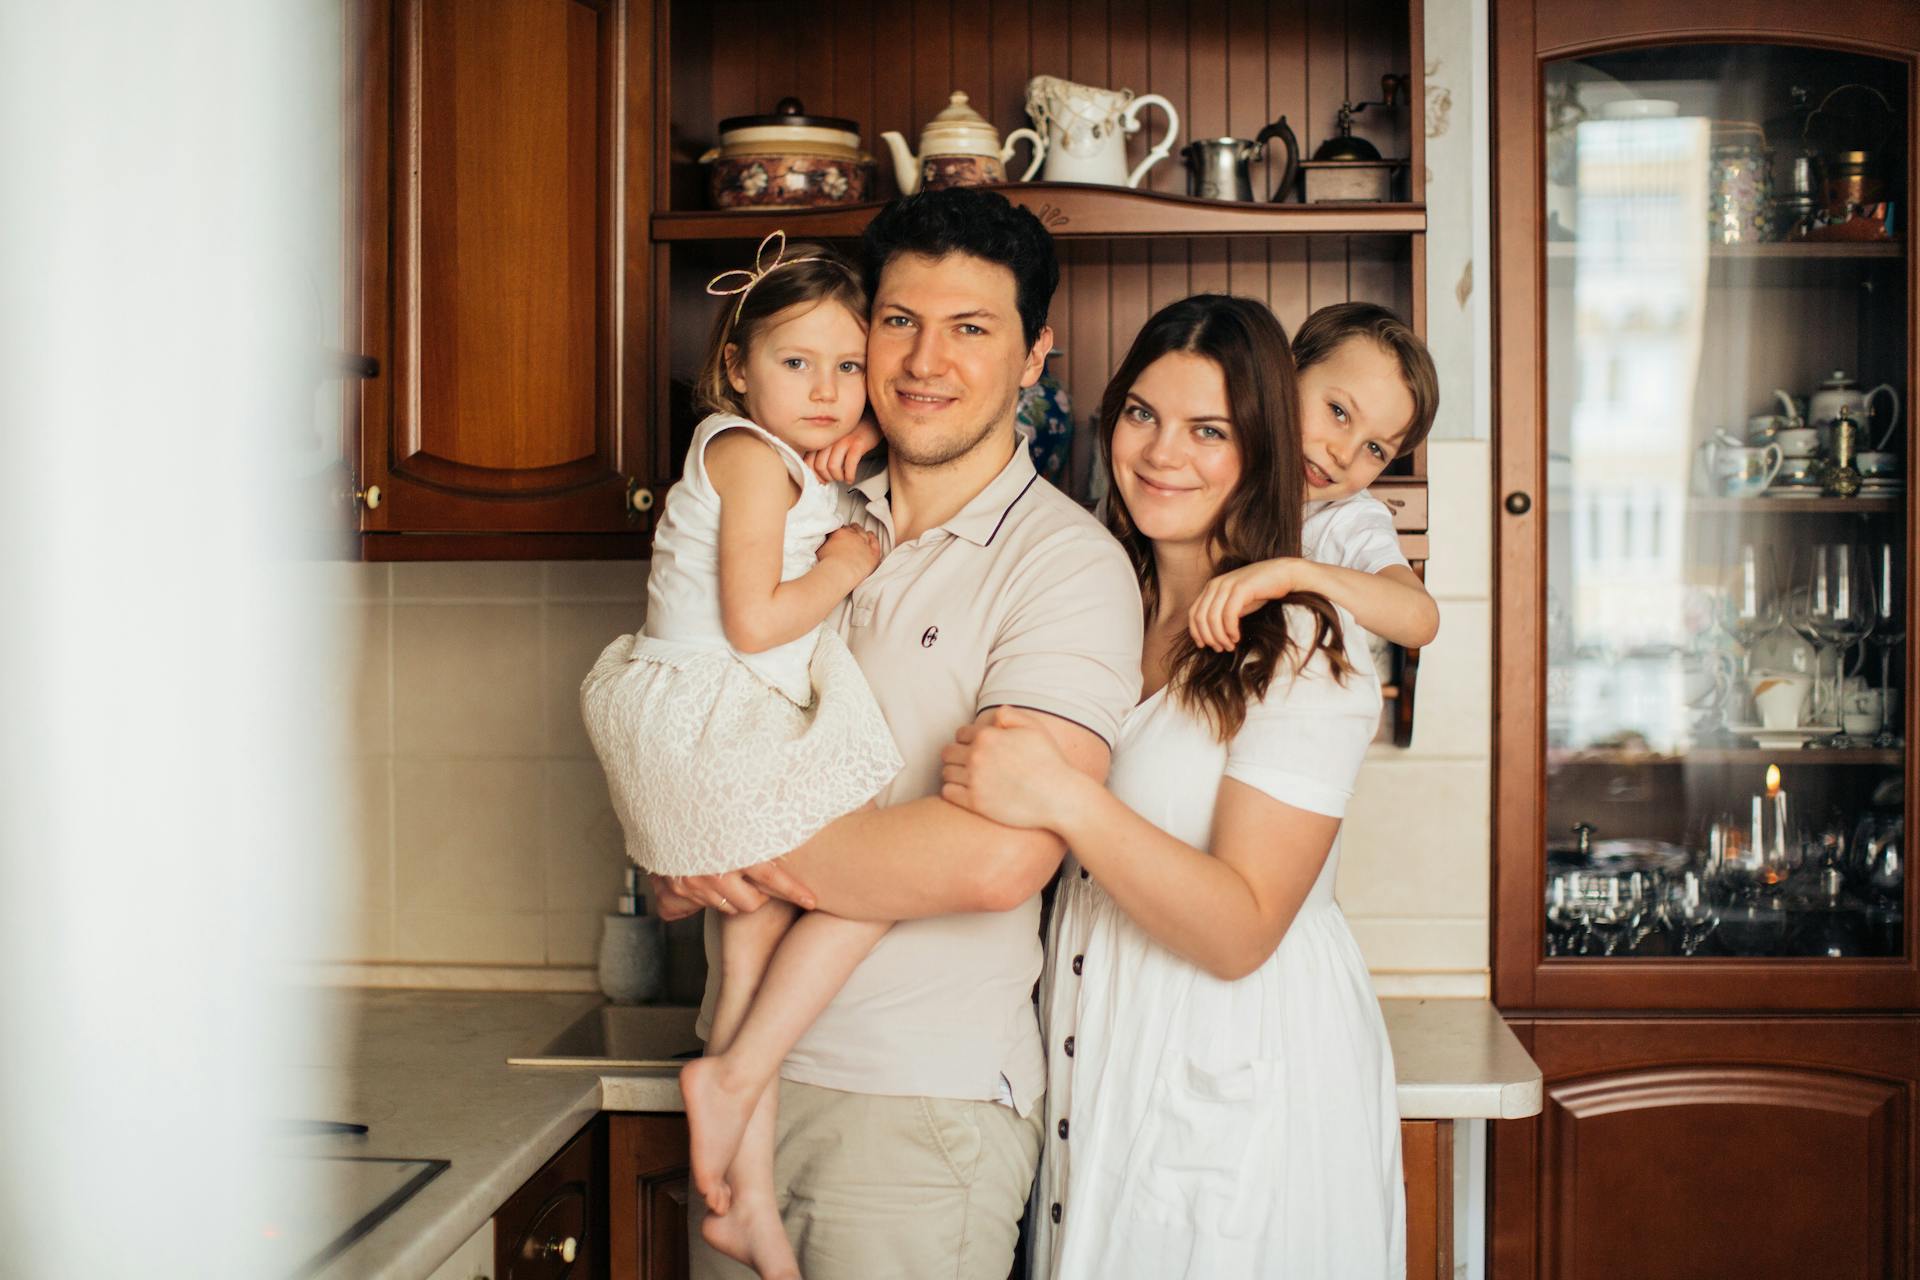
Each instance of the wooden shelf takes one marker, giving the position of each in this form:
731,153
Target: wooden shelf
1792,506
1783,250
1073,210
1891,756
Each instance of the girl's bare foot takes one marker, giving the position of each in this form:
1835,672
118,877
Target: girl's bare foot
717,1115
751,1233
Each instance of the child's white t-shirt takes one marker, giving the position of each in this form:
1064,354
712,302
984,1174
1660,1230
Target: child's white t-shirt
1354,532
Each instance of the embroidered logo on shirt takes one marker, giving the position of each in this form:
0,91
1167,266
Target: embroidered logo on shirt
928,636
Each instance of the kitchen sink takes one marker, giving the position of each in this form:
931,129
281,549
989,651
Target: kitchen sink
620,1035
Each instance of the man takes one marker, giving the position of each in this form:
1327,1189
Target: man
908,1124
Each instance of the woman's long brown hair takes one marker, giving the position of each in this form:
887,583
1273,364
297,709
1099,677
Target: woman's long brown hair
1261,517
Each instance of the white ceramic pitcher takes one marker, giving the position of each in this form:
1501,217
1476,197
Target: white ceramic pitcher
1087,130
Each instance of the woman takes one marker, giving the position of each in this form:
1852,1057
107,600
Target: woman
1221,1092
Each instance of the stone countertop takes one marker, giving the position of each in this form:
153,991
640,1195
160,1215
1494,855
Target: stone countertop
426,1072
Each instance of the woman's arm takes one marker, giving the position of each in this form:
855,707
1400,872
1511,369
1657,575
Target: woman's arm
1393,603
757,610
1226,911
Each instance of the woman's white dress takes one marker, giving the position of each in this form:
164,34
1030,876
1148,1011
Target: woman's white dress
718,759
1208,1129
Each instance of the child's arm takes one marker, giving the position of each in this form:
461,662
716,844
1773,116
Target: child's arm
1393,603
757,610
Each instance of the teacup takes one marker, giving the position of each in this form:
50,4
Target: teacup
1779,697
1797,442
1798,471
1861,711
1877,464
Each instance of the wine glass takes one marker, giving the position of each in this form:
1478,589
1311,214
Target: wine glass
1889,629
1843,615
1753,604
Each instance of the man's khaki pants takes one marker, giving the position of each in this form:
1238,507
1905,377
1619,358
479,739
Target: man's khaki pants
884,1188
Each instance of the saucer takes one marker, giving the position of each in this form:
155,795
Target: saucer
1783,739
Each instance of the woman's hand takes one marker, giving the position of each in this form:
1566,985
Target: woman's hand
1214,619
840,461
1008,770
732,893
852,548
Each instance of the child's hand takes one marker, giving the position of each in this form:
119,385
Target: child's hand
1214,619
852,547
840,461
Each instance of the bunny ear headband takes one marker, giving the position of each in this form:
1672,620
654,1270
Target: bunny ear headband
739,282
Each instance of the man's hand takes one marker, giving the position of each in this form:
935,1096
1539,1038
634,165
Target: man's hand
731,893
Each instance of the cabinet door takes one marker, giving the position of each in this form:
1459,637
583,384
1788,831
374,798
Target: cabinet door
1698,1147
1426,1155
1704,697
554,1226
504,280
647,1170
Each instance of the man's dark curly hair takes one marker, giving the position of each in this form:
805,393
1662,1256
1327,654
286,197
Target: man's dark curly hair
973,221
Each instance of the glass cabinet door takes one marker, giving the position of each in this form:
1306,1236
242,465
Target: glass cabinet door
1727,466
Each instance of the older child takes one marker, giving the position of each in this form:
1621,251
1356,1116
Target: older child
1368,393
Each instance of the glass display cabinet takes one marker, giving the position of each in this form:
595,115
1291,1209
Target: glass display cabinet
1705,536
1703,921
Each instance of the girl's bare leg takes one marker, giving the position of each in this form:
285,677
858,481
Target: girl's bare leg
724,1089
747,944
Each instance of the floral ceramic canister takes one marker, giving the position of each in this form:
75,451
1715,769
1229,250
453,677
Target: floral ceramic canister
1045,409
788,159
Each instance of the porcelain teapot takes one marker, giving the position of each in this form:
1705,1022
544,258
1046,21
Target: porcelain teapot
958,148
1087,130
1839,392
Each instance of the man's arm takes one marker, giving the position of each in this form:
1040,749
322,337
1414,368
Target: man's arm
922,858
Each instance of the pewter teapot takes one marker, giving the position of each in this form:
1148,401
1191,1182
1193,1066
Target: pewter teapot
1217,167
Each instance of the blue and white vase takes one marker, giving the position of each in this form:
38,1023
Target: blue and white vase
1047,413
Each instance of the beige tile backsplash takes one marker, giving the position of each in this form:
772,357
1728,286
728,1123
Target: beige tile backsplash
486,837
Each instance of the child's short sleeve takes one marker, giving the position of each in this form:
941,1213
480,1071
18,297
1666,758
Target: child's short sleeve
1358,534
1303,743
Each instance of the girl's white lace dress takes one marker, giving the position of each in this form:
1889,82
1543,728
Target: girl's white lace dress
717,759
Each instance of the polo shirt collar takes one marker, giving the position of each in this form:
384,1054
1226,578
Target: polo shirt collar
983,515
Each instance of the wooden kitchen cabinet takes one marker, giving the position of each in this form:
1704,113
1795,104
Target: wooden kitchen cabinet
555,1226
1723,1004
1757,1148
504,280
1426,1158
647,1173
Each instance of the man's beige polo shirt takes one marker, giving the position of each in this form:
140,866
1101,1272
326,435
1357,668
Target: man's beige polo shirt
1021,599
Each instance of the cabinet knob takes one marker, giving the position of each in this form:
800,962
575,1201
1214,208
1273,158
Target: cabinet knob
368,497
565,1250
1518,504
638,499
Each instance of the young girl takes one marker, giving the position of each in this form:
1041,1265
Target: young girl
1368,393
735,725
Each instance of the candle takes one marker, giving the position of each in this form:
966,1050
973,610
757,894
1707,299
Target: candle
1776,849
1757,842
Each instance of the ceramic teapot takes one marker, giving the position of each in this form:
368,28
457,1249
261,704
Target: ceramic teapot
1839,392
958,148
1087,130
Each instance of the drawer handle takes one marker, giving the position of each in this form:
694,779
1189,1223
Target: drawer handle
566,1250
